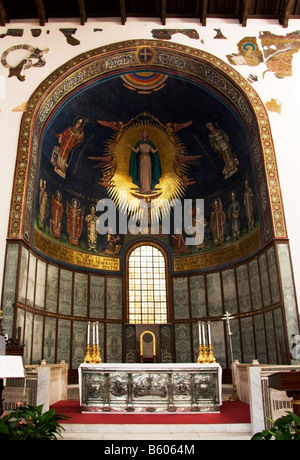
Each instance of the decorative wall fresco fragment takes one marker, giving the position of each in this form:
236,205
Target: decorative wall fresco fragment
219,35
33,57
13,33
68,33
20,108
279,52
274,105
166,34
249,53
36,32
252,78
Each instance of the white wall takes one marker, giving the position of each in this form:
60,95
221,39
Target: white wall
285,127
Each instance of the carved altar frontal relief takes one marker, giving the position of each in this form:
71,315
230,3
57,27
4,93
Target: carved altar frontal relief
149,388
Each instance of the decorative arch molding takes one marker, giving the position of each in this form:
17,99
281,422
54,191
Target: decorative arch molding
129,58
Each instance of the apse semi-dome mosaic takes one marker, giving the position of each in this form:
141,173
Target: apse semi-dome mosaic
140,122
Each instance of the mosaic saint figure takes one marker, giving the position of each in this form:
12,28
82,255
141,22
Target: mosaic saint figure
92,233
74,221
112,242
217,222
220,143
145,167
249,205
233,213
43,204
179,243
57,210
68,141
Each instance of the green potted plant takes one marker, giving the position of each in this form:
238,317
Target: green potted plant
286,428
29,423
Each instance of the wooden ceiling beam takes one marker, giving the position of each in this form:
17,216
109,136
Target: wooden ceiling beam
41,11
123,12
163,12
203,14
82,12
285,13
3,14
245,12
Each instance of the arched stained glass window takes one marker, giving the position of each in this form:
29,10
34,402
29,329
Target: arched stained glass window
147,288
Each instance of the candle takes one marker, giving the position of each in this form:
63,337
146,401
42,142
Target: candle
97,333
203,333
88,333
93,333
199,329
209,333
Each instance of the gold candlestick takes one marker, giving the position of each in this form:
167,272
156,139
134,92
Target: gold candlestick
202,355
211,358
98,359
88,358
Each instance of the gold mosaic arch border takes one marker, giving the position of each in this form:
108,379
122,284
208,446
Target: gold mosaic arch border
122,56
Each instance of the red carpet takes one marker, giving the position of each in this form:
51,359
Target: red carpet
231,412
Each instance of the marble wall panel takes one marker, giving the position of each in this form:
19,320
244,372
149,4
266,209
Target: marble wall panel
247,340
274,281
80,295
78,343
288,289
28,338
130,343
114,298
271,341
63,340
31,280
97,297
265,283
21,322
230,292
214,295
52,289
40,287
198,301
37,347
50,339
23,275
218,332
9,287
260,339
114,343
236,341
283,353
182,343
65,292
181,298
255,285
166,343
243,288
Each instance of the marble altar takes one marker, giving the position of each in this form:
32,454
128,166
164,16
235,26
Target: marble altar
150,387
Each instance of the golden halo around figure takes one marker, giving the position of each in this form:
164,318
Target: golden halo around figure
124,192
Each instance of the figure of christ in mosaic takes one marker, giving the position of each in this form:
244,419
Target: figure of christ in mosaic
92,233
145,167
57,210
74,221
